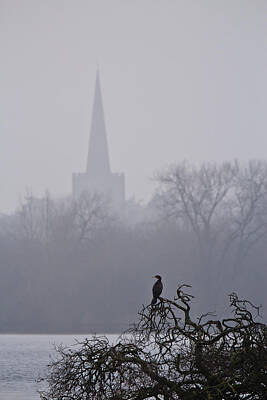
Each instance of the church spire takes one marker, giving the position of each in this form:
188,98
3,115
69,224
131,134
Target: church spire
98,177
98,156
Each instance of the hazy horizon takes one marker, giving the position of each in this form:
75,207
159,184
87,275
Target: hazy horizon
180,80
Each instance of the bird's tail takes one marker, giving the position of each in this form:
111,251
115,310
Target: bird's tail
154,300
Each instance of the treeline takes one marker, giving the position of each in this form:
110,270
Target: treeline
78,266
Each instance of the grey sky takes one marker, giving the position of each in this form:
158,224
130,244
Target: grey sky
180,79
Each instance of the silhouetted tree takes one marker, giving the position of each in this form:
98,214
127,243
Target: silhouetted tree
58,256
91,214
169,354
223,204
223,208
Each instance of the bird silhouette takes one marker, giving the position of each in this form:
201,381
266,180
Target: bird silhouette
157,289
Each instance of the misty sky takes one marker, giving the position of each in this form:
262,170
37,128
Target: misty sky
180,80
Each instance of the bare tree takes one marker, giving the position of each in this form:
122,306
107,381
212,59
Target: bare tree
35,217
246,210
46,220
223,205
91,213
169,355
194,196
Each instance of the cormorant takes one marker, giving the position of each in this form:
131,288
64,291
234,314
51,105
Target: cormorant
157,289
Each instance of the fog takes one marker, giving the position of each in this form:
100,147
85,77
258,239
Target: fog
76,266
180,80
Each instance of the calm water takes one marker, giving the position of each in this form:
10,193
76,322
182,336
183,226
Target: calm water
23,358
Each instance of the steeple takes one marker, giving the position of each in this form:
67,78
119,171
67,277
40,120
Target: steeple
98,157
98,177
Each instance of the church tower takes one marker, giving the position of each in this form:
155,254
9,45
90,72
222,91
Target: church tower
98,177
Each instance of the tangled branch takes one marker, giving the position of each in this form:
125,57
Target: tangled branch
168,354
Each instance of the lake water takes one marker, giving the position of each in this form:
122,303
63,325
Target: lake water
23,359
